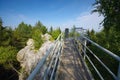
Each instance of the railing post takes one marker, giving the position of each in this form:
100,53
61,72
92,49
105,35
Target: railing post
118,72
85,42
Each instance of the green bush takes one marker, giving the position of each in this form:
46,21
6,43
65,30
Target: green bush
36,36
8,56
110,41
56,33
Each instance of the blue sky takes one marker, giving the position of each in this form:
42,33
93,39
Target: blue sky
56,13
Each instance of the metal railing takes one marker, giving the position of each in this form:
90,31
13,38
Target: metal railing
51,60
82,40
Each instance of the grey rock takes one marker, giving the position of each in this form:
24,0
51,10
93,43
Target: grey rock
29,57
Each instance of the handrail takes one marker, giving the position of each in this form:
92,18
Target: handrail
85,55
77,48
39,65
50,63
57,57
100,62
43,60
105,50
54,60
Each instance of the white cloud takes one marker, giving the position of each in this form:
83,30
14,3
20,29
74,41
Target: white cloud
86,20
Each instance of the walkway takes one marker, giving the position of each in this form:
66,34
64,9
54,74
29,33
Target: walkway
71,66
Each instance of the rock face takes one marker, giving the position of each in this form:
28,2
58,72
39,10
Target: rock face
29,57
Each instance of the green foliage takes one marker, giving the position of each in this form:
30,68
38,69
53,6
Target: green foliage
36,36
51,39
8,56
13,40
43,29
21,34
51,30
73,32
110,42
7,51
110,9
109,37
5,35
40,26
37,31
56,33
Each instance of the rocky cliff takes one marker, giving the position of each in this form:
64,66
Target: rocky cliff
29,57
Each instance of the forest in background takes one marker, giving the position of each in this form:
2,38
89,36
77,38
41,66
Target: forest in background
12,40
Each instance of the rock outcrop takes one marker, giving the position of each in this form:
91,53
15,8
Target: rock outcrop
29,57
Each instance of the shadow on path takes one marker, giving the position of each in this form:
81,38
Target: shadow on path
71,65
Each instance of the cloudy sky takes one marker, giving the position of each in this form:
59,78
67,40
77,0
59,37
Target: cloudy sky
56,13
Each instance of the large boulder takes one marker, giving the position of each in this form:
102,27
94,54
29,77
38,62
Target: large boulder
29,57
46,37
